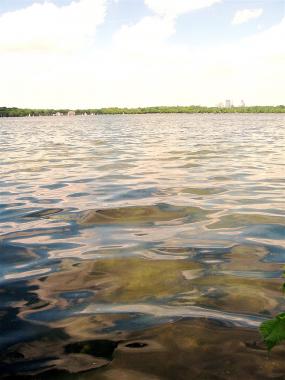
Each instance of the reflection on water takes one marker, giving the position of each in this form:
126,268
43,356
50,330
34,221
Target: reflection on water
141,247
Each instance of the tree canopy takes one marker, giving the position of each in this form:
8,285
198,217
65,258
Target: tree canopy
20,112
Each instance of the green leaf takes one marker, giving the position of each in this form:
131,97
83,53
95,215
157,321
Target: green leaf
273,331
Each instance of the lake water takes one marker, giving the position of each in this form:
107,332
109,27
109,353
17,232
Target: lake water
141,246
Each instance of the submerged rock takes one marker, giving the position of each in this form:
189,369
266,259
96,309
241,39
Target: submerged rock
140,214
122,215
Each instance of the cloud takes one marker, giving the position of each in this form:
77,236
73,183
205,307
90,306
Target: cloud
153,31
145,68
141,65
174,8
48,27
245,15
148,33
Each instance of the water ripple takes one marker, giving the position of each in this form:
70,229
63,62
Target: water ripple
140,233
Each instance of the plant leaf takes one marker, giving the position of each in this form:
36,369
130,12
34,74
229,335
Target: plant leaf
273,331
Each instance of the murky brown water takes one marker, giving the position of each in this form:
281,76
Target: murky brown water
141,247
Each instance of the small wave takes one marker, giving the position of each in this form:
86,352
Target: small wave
158,311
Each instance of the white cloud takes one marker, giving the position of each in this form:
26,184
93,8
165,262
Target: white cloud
146,34
148,38
245,15
174,8
141,65
143,72
47,27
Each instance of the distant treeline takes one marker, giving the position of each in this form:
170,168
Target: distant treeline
16,112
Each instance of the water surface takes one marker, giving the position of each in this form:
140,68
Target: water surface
141,246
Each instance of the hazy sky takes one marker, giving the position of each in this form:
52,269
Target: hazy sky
96,53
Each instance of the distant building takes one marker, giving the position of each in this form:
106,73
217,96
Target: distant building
71,113
228,103
220,105
242,103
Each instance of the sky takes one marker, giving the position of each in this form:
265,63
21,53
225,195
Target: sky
130,53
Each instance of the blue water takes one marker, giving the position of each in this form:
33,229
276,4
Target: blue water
133,246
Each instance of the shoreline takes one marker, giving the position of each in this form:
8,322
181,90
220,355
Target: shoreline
26,112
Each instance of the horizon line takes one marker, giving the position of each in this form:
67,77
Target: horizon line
220,105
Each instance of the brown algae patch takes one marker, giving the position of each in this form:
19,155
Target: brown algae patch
123,215
140,214
248,258
238,294
121,280
230,285
242,220
132,280
203,190
136,279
